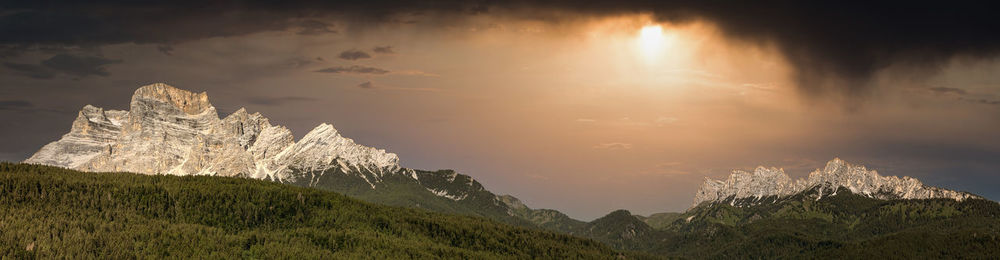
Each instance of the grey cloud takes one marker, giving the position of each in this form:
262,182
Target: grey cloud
276,101
988,102
15,104
166,49
26,106
296,62
30,70
371,85
946,90
383,49
81,66
315,27
354,55
965,96
355,69
78,66
366,84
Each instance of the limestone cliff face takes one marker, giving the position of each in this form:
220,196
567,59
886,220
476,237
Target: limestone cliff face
774,183
173,131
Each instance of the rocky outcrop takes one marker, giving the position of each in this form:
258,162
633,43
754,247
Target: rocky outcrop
173,131
765,183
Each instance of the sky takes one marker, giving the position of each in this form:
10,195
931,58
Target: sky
584,107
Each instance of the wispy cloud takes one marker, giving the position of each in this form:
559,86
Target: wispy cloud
629,122
372,85
25,106
613,146
760,86
354,55
665,120
670,168
414,73
537,177
166,49
947,90
966,96
696,73
354,69
30,70
383,49
67,64
314,27
985,101
275,101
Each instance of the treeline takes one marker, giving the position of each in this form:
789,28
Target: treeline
50,212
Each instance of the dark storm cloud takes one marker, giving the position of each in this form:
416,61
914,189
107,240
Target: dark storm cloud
79,66
354,55
314,27
845,42
383,49
30,70
355,69
277,101
162,22
947,90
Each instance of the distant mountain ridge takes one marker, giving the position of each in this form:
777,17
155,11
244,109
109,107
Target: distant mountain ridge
754,187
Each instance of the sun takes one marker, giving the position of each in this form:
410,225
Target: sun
651,41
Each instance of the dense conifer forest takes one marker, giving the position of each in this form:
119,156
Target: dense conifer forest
50,212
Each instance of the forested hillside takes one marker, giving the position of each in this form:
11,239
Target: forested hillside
50,212
844,225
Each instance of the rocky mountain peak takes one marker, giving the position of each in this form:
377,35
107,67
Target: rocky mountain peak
774,183
185,101
173,131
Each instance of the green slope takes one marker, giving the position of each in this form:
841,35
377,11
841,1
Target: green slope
403,191
621,229
50,212
660,220
544,218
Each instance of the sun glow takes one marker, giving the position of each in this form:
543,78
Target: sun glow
652,42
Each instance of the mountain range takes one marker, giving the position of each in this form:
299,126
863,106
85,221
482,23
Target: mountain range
170,131
176,132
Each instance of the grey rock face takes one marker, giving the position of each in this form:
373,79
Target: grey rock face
774,183
173,131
